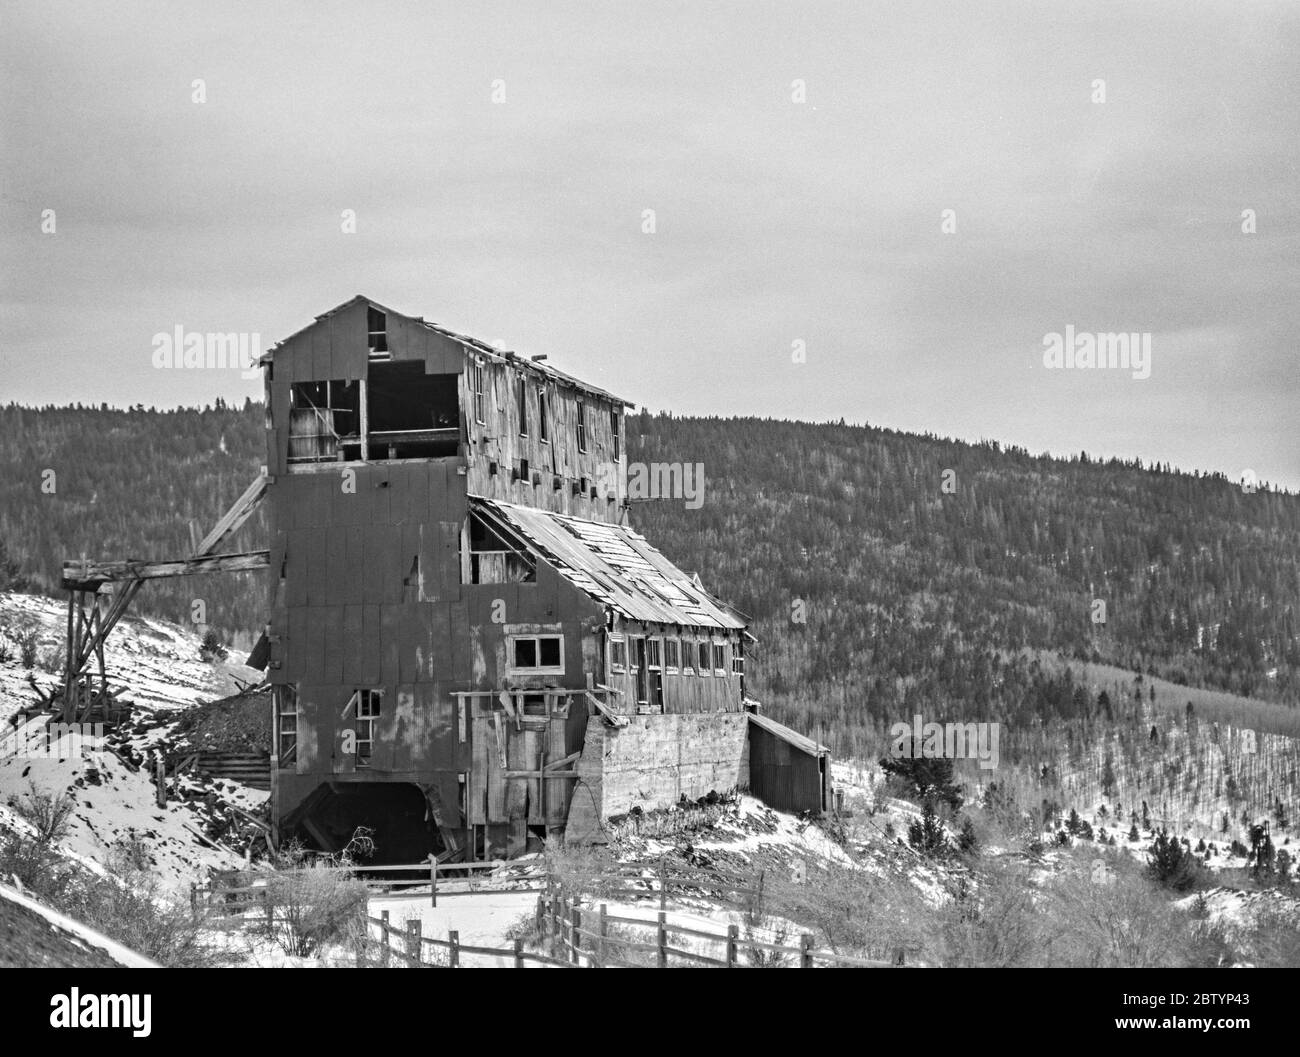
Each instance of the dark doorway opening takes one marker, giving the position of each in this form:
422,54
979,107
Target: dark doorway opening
396,812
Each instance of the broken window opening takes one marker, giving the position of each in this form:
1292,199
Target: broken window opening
523,406
286,722
613,429
617,655
534,705
670,654
704,657
719,658
410,414
495,560
368,703
582,426
543,426
324,421
377,334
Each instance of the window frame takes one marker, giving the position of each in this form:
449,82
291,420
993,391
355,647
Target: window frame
380,350
582,427
523,405
477,393
614,418
617,644
543,425
539,669
720,654
372,697
654,653
704,670
286,693
672,655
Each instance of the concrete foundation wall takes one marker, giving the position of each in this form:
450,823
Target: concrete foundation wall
652,762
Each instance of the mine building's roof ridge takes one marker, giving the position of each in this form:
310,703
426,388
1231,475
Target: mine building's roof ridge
479,346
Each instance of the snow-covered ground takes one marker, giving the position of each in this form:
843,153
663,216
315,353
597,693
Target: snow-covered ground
159,667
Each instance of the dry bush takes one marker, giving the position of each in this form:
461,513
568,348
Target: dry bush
48,813
581,871
133,909
1127,923
1272,939
313,905
993,922
857,913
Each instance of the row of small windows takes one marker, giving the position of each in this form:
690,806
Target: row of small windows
543,418
676,656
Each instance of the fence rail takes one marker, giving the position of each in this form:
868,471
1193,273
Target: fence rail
570,925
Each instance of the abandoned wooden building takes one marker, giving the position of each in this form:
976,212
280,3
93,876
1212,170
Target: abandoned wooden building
469,647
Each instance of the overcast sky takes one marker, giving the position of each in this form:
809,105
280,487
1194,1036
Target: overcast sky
776,221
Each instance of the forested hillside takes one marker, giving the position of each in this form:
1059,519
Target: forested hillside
887,573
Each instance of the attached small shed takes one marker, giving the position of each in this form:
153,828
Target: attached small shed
787,771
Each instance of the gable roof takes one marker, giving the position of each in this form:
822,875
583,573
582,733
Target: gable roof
616,566
475,345
34,936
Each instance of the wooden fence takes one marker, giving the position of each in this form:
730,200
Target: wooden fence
572,920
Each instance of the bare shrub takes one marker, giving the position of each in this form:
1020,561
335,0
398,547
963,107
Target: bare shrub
992,922
27,637
312,900
1272,939
859,913
313,905
760,926
1126,922
134,910
47,813
581,870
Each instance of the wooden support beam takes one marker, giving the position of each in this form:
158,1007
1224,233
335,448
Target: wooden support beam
233,518
540,774
88,575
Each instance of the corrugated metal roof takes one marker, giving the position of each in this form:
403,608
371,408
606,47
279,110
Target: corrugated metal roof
482,348
780,730
616,566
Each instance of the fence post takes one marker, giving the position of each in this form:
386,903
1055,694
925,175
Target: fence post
194,898
556,900
453,951
575,938
384,933
663,885
663,940
805,951
270,907
413,940
519,954
602,949
433,877
733,934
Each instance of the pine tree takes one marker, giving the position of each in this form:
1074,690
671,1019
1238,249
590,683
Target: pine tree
1171,864
927,835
